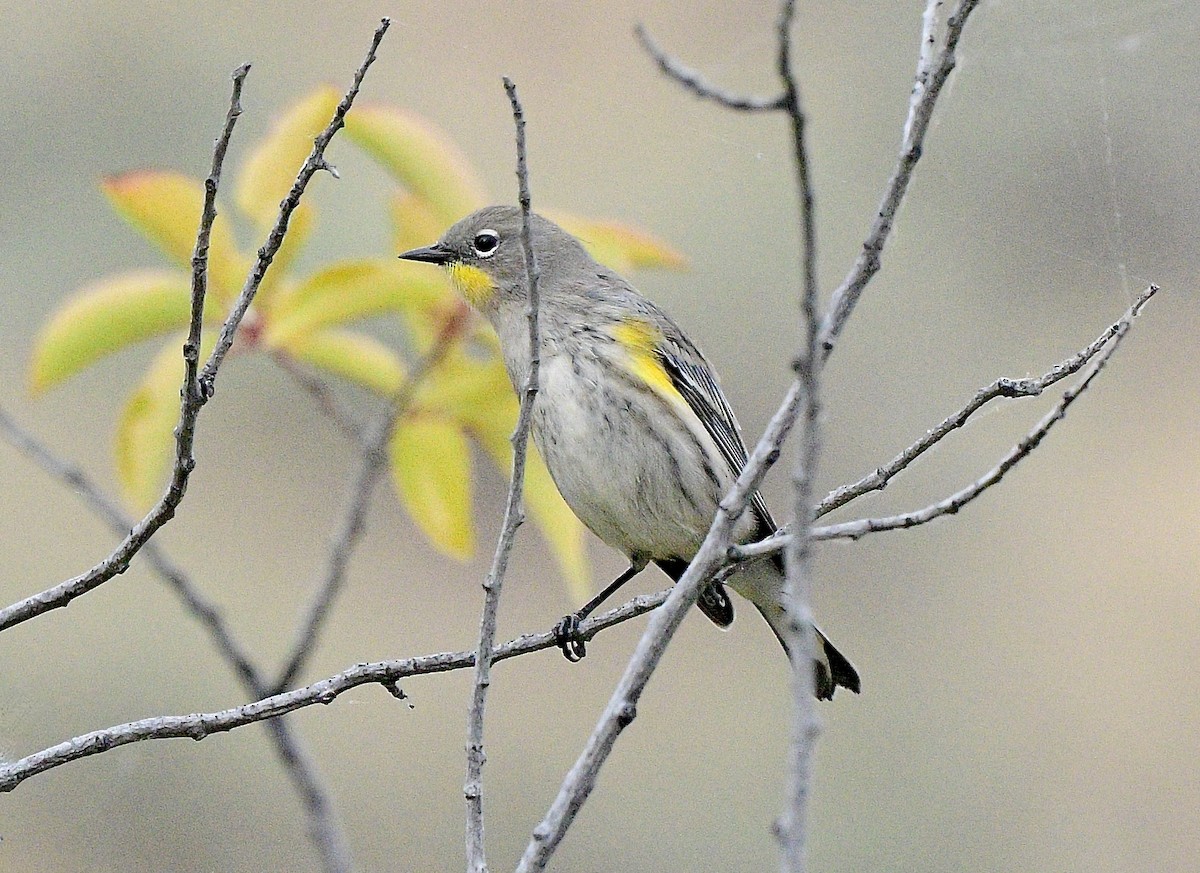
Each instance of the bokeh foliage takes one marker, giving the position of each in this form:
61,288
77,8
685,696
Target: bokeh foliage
315,319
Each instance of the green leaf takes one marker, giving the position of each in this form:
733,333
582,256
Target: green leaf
431,468
166,207
105,317
352,356
268,174
420,156
620,246
560,528
145,441
350,290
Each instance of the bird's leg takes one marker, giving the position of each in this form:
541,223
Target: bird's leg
566,632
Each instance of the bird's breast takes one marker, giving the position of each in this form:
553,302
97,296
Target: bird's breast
628,462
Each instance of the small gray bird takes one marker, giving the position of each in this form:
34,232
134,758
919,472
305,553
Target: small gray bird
629,417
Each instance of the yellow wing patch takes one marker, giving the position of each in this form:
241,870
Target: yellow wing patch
472,283
640,339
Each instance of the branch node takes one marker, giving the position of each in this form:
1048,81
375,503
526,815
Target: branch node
393,688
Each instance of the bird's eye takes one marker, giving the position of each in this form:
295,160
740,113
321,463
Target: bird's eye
486,242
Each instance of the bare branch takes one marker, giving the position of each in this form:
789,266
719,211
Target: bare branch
792,826
323,828
107,509
1002,387
193,397
327,837
514,515
345,539
926,89
693,81
323,396
925,60
198,387
386,673
314,164
955,502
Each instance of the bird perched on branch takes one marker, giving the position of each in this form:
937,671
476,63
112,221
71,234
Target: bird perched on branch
629,416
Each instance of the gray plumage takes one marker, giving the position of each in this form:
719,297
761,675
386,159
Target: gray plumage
629,417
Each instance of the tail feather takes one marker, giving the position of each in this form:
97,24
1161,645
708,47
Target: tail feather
831,669
762,585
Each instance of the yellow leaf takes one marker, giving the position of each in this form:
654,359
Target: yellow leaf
620,246
420,156
166,208
415,221
471,390
431,468
145,442
268,174
426,324
105,317
350,290
560,528
353,356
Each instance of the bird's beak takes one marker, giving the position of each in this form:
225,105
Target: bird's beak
434,254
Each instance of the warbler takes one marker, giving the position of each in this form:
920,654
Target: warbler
629,416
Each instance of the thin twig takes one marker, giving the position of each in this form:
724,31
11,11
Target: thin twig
324,397
1003,387
323,828
197,726
106,508
694,82
345,539
198,388
927,88
193,396
514,515
314,164
792,827
956,501
925,59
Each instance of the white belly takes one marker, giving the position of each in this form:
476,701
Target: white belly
650,492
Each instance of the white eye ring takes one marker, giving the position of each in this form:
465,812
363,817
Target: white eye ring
486,242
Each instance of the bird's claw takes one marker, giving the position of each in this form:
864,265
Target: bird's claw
567,637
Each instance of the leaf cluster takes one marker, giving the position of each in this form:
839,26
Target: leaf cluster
314,321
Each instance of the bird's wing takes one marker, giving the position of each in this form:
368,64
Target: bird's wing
695,381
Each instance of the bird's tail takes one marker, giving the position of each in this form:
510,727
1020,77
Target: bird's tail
762,584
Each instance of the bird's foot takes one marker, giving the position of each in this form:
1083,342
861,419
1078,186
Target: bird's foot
567,637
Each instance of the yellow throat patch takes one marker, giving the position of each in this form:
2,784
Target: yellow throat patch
640,340
472,283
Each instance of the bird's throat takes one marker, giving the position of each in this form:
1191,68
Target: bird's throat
472,283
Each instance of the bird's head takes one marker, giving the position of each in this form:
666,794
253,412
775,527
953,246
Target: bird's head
485,259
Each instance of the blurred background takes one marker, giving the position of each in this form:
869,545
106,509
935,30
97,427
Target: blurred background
1030,700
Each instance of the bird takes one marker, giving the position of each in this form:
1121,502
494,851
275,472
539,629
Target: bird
629,416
